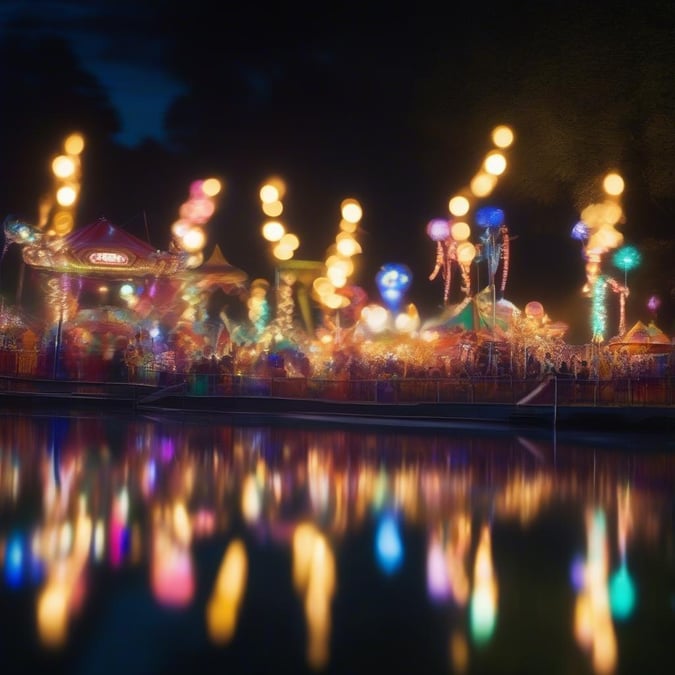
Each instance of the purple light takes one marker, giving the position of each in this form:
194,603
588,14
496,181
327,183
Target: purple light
438,229
653,303
580,231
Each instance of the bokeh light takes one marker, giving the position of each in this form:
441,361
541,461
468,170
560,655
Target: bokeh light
502,136
459,205
626,258
613,184
438,229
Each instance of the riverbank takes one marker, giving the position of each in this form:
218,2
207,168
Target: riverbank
534,410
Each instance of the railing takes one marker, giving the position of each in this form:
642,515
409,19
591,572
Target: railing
642,391
22,371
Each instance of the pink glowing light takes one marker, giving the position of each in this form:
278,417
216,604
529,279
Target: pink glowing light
438,229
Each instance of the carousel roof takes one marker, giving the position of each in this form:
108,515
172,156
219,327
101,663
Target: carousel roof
102,248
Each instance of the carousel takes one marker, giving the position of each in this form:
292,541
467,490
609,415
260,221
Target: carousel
103,291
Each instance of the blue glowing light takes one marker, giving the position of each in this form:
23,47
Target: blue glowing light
14,561
621,593
489,217
580,231
626,258
393,280
388,545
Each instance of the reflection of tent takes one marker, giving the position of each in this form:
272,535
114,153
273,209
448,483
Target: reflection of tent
642,339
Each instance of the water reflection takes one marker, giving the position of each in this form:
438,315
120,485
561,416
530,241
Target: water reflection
185,543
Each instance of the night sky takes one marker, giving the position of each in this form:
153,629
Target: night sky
392,106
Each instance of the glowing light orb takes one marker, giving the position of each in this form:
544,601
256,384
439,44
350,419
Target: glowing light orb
180,228
194,240
460,231
607,237
375,317
63,222
322,286
482,614
211,187
273,230
495,163
272,209
74,144
438,229
351,210
408,321
577,572
613,184
197,210
580,231
627,258
489,217
502,136
346,245
653,303
344,265
459,206
273,190
282,252
63,166
388,545
534,310
14,560
337,277
269,194
393,280
466,252
290,241
621,594
66,196
482,184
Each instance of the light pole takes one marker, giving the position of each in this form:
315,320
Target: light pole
626,258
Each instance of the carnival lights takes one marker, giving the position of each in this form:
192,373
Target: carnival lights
627,258
189,231
56,209
452,236
596,229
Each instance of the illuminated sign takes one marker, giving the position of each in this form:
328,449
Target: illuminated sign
108,258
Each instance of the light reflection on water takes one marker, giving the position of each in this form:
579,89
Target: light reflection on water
141,545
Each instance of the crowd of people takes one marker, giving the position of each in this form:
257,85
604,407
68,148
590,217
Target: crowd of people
141,358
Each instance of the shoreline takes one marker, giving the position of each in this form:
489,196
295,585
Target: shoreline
153,400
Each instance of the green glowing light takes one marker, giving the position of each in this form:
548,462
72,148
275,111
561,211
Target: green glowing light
627,258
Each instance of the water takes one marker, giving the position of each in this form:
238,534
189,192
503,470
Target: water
131,544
